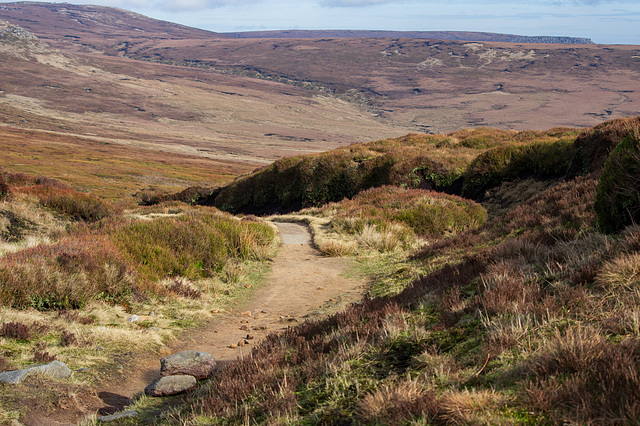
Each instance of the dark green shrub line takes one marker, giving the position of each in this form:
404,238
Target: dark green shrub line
617,202
313,180
542,160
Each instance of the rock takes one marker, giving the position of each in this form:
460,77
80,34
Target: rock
55,369
241,343
233,346
117,416
197,364
133,318
244,327
171,385
245,314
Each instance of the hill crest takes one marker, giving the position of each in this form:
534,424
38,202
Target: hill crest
436,35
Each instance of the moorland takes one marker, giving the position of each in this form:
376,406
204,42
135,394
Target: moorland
486,191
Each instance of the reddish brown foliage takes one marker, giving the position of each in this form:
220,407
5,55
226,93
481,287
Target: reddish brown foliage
589,381
15,330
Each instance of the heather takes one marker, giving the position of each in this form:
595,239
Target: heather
415,161
529,318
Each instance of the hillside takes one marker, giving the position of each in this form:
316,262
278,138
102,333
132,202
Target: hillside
94,28
474,274
167,109
420,85
434,35
527,318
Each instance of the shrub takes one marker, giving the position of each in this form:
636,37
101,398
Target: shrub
313,180
76,205
542,160
592,147
5,364
193,245
40,354
15,330
64,275
424,212
582,378
4,187
68,338
617,201
184,288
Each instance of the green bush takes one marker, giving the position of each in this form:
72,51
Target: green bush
543,159
617,201
425,212
313,180
592,147
194,245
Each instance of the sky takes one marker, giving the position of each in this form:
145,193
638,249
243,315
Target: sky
603,21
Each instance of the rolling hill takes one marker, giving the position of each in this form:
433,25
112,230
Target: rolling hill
425,85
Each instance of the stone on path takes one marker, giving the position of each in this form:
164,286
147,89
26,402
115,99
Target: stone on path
55,369
200,365
171,385
117,416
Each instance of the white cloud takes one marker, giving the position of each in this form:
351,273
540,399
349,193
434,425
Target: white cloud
179,5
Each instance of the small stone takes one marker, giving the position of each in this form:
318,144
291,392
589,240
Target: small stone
249,337
171,385
133,318
117,416
200,365
245,314
55,369
233,346
241,343
247,286
244,327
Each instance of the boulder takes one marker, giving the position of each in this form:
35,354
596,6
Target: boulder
200,365
55,369
171,385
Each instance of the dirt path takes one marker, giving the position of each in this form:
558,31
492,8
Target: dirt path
302,284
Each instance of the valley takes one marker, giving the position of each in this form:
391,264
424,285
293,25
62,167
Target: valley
471,201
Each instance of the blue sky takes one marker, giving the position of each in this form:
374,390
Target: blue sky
604,21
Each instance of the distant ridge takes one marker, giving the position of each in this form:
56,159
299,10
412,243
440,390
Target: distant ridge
440,35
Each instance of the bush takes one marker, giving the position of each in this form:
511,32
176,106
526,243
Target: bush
617,201
15,330
592,147
194,245
542,160
4,187
65,275
313,180
426,213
